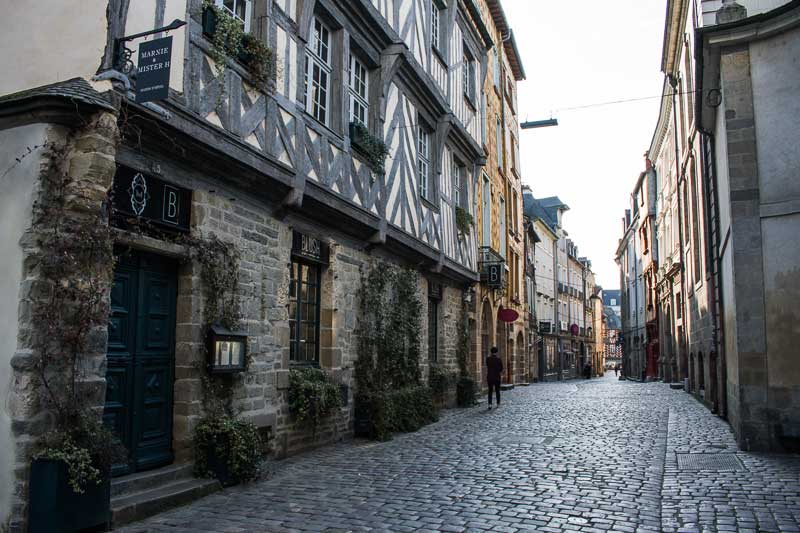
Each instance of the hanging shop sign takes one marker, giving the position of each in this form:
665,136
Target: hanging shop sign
574,329
152,70
507,315
139,195
310,248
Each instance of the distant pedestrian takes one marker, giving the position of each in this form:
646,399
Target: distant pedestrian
494,372
616,370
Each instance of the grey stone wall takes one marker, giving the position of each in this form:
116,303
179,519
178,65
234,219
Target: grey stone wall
88,166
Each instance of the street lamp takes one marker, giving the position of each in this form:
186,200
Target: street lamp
539,124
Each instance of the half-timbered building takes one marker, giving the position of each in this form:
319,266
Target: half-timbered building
285,170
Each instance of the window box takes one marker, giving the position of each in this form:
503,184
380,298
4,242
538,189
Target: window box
55,507
371,146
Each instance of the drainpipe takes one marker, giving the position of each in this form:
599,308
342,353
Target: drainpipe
673,82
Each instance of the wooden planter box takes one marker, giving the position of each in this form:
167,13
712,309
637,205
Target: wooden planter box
55,508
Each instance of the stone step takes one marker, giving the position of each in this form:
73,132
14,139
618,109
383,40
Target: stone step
150,479
678,385
506,386
140,505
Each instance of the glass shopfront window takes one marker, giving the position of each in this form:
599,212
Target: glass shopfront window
303,306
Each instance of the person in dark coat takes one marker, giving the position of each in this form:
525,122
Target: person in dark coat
494,372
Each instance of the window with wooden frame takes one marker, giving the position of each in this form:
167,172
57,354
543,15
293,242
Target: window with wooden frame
318,73
303,308
499,141
468,75
241,10
459,184
436,26
424,162
359,91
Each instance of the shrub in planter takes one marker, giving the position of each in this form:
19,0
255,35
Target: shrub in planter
373,148
466,391
228,449
69,485
229,40
381,413
464,221
312,396
440,382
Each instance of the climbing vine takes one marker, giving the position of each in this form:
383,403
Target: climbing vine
464,222
69,306
390,395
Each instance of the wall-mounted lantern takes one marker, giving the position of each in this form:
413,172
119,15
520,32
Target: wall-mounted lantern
227,350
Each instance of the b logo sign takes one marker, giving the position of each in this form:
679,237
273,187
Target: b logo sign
171,205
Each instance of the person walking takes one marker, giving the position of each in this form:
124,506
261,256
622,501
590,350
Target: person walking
616,370
494,372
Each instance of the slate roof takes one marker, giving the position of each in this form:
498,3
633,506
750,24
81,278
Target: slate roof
545,209
609,294
76,90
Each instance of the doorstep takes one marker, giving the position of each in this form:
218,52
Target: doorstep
507,386
138,496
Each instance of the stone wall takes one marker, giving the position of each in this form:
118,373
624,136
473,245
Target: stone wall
85,161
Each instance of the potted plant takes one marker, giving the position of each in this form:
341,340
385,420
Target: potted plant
227,448
312,397
372,147
464,221
69,487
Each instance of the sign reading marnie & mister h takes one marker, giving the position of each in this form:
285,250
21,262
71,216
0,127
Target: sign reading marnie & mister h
152,71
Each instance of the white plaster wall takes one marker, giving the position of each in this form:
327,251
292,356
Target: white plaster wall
775,75
68,41
17,183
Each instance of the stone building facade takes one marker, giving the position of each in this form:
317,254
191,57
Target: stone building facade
725,189
275,175
499,222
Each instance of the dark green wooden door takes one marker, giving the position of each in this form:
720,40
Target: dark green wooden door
141,355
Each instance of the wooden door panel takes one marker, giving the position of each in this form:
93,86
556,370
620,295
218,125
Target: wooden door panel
141,348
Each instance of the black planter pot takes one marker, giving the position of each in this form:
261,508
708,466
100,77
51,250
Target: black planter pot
362,425
55,508
218,465
209,22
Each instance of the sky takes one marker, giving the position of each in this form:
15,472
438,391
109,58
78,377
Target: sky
577,53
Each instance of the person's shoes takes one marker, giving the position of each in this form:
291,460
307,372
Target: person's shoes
490,408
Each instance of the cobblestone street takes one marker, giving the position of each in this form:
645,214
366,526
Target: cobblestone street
593,455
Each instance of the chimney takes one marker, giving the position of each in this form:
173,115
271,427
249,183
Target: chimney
730,12
627,218
647,163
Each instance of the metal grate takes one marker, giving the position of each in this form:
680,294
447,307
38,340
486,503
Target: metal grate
709,461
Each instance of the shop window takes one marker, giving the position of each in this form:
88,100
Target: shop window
303,307
318,73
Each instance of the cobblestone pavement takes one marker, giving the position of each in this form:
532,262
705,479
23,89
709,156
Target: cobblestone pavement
599,455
